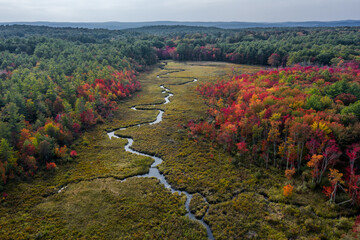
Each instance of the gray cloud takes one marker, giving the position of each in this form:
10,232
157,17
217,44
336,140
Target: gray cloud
178,10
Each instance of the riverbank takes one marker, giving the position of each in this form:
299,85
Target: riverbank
245,201
91,201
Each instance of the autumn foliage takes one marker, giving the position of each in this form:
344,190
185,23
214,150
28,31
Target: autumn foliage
73,154
300,119
288,190
39,145
50,166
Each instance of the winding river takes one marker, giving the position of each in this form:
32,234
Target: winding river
154,171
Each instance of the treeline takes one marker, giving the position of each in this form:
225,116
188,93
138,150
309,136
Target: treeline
275,47
260,46
81,35
54,87
304,120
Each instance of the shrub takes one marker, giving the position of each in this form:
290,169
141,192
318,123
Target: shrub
73,154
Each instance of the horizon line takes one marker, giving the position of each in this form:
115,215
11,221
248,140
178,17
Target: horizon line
180,21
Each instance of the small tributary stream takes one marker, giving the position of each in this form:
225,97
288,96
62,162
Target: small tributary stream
154,171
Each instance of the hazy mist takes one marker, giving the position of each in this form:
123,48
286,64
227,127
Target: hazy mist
178,10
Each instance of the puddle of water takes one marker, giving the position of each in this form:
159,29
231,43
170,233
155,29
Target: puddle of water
62,189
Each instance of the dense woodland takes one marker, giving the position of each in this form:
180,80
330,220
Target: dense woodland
304,120
55,86
58,82
275,47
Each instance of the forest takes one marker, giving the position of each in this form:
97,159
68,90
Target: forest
275,47
299,115
54,88
304,120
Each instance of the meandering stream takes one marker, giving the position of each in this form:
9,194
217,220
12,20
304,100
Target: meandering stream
154,171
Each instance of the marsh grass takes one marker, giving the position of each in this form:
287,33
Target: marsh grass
197,167
198,206
245,201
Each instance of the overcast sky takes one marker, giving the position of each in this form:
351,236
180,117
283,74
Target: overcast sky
178,10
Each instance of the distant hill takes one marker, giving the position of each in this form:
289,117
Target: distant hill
175,29
224,25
